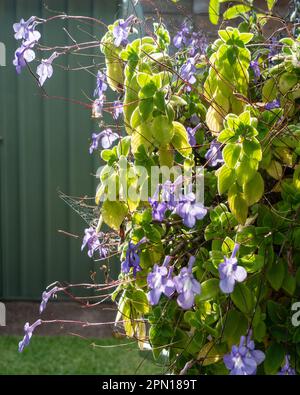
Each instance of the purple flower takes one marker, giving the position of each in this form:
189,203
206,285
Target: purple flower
274,49
101,85
158,209
214,154
91,240
191,134
230,272
25,30
28,334
45,69
198,42
244,359
121,31
160,282
46,296
189,210
287,370
132,259
106,139
182,37
169,196
118,109
195,120
187,286
98,107
273,104
255,67
187,72
23,55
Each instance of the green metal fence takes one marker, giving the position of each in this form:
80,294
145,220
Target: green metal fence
44,146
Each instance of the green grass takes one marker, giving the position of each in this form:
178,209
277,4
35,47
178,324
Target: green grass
73,355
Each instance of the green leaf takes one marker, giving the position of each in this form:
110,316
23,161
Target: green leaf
289,284
108,155
226,178
226,135
274,358
209,290
140,302
163,130
253,149
143,79
243,298
275,275
259,331
254,189
159,101
146,108
236,326
269,91
231,154
235,11
276,312
213,11
246,170
227,246
275,170
252,262
180,140
246,37
148,90
113,213
271,4
136,118
123,147
238,205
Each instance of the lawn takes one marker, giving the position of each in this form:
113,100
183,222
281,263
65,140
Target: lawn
73,355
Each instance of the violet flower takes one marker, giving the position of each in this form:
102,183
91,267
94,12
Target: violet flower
101,85
244,359
132,259
91,240
187,286
23,55
26,30
160,282
45,69
287,370
191,134
121,31
118,109
46,296
182,37
214,154
187,72
159,207
189,210
273,104
28,334
98,107
106,138
256,69
198,43
230,272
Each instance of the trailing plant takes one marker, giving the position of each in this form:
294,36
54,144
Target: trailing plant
201,190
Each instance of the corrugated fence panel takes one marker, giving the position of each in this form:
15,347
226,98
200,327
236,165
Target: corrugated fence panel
45,148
